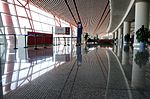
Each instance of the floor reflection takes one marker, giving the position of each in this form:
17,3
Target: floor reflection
126,61
140,62
21,66
1,88
136,66
79,56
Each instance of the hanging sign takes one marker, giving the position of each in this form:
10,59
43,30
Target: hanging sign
62,30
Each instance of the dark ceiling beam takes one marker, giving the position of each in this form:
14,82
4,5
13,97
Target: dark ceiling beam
104,18
77,10
70,11
101,17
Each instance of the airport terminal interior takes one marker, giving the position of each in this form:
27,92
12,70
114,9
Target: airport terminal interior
74,49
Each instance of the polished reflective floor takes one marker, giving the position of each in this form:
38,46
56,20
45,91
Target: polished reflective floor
74,72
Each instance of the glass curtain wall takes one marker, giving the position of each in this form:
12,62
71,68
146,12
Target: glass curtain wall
18,19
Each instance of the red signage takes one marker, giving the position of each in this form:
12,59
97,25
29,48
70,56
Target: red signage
36,38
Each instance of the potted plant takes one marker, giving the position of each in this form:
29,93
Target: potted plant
141,58
142,36
127,38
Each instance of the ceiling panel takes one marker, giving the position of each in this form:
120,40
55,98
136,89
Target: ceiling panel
90,12
118,11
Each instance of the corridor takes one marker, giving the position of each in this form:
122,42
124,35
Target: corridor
76,73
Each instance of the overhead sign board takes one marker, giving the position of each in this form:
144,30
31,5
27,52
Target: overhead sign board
62,30
59,30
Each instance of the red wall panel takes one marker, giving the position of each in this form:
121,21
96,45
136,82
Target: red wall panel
39,38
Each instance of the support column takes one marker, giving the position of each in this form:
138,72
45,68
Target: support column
1,85
125,55
116,37
116,42
119,42
79,33
10,30
2,37
113,35
141,18
126,30
1,22
119,36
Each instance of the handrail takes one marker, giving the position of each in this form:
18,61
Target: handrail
15,47
25,37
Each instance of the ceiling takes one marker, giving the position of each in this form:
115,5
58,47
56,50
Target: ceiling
97,16
119,11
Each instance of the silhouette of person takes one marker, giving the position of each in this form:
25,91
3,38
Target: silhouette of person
86,38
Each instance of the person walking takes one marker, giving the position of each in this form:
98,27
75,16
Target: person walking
86,38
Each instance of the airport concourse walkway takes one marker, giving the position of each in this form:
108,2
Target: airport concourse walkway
99,76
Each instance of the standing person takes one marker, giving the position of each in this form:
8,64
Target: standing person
79,33
86,38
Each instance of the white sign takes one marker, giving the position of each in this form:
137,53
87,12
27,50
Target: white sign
60,30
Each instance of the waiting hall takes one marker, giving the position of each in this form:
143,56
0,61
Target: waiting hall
74,49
